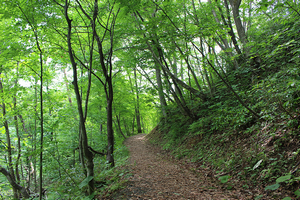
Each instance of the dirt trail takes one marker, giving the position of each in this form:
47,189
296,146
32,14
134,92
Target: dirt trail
157,177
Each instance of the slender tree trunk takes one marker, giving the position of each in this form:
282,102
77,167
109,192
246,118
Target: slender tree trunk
101,125
108,87
34,139
110,134
178,81
27,168
22,167
126,127
224,40
235,5
189,67
58,155
8,145
133,120
155,86
162,99
41,122
119,125
205,70
143,125
80,150
101,128
67,86
183,108
88,154
181,103
35,32
137,109
17,132
257,116
80,142
19,142
158,53
231,31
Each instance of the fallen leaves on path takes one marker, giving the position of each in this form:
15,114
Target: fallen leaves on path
157,177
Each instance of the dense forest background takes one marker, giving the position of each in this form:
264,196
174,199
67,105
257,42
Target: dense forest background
77,77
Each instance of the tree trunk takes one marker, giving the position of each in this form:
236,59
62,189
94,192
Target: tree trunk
67,86
228,85
110,133
183,108
9,150
41,124
19,142
178,81
119,126
58,155
133,120
189,66
88,154
235,5
164,95
80,150
108,87
34,139
137,108
162,99
13,183
126,127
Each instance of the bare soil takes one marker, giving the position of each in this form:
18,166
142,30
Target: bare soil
156,176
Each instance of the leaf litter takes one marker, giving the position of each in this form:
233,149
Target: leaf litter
156,176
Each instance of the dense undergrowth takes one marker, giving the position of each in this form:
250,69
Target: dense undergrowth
70,182
107,179
261,153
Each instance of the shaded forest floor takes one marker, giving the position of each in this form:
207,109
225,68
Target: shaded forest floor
156,176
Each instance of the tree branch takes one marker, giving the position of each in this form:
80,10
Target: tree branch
13,183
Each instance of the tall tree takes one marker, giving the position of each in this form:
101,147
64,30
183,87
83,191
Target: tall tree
11,174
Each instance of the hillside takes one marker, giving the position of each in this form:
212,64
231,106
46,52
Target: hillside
247,132
264,167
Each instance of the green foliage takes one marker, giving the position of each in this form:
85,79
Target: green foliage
270,88
287,198
259,196
273,187
86,181
297,193
283,178
287,179
224,179
265,76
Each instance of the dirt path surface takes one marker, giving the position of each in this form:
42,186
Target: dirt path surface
157,177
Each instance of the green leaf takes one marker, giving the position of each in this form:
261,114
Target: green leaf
272,187
297,193
258,197
297,178
287,198
86,181
224,179
283,178
90,197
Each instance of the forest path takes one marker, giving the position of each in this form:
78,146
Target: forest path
157,177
